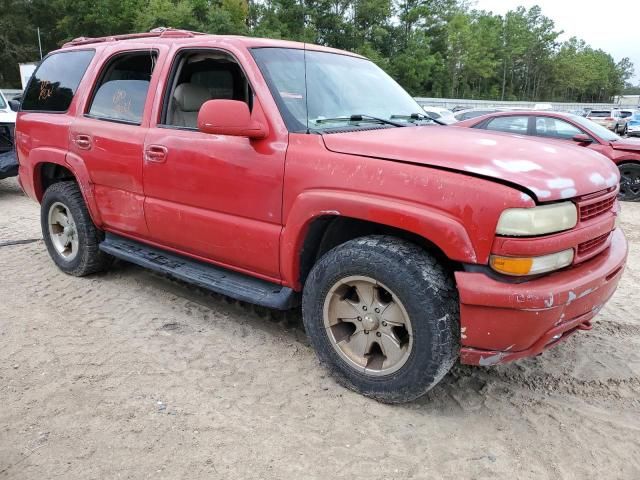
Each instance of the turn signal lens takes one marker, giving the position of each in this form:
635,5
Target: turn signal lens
519,266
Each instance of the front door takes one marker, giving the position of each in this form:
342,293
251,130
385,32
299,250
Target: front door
215,197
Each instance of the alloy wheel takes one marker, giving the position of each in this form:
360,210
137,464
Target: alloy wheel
63,231
367,325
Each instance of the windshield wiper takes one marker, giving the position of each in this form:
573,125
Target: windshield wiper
359,118
419,116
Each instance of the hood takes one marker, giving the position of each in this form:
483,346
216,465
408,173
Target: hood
549,170
626,144
7,116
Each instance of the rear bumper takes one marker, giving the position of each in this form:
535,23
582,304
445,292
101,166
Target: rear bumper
501,322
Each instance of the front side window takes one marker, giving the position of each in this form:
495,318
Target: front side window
200,76
3,104
555,128
122,90
332,90
509,124
56,80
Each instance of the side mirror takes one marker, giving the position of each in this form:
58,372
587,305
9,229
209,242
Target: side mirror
229,117
14,105
582,138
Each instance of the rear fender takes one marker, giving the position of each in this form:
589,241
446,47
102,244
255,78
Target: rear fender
73,163
441,229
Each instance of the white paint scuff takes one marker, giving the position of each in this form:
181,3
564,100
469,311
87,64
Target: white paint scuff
516,166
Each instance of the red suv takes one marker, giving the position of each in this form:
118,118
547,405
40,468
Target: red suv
283,173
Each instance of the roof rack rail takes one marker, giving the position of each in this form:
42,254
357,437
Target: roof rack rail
160,32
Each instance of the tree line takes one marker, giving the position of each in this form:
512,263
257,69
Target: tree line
439,48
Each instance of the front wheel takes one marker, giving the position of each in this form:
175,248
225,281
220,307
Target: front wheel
71,237
629,182
382,315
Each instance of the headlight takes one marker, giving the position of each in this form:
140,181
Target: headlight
531,265
537,220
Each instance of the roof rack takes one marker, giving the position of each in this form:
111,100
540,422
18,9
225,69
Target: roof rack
160,32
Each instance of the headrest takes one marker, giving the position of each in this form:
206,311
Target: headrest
190,97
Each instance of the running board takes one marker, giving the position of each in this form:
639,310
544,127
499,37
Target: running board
217,279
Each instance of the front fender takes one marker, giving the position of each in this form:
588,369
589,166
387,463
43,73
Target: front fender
440,228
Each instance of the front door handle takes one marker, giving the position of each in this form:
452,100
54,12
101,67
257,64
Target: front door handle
83,141
155,154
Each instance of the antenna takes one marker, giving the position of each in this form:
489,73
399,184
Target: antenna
306,88
304,56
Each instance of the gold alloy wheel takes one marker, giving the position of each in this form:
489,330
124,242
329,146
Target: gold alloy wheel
63,231
367,325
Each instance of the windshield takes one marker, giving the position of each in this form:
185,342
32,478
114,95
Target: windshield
340,90
597,129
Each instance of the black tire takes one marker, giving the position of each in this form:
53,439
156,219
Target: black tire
629,182
405,269
89,259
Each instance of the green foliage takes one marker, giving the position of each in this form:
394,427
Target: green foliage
431,47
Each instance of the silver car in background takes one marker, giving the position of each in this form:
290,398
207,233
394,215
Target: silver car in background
611,119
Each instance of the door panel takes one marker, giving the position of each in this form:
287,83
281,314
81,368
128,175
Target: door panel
108,133
112,153
216,196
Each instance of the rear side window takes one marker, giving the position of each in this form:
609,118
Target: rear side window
56,80
122,90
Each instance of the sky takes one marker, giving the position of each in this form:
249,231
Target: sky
615,30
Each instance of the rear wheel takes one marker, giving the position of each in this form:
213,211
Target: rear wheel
382,315
629,182
71,237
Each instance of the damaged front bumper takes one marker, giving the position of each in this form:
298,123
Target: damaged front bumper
504,322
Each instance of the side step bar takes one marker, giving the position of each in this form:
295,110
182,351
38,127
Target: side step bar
217,279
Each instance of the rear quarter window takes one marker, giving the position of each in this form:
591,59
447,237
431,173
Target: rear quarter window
56,80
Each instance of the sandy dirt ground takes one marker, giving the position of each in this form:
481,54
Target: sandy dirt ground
131,375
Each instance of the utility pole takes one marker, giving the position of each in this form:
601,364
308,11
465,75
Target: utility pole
39,43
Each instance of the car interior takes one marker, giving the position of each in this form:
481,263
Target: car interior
199,77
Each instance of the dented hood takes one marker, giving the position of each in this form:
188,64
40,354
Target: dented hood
626,144
549,170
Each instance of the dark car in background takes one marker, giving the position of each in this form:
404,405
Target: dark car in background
566,127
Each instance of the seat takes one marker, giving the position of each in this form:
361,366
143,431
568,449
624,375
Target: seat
187,100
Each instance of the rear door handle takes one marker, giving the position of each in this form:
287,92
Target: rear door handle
83,141
155,154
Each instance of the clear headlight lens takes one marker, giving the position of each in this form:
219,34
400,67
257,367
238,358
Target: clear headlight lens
531,265
538,220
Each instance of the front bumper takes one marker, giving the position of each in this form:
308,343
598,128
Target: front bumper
501,322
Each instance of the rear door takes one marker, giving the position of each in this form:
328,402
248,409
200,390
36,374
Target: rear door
108,134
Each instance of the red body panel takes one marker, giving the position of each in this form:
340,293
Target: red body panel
501,324
248,204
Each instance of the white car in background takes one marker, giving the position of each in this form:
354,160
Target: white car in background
7,124
439,113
